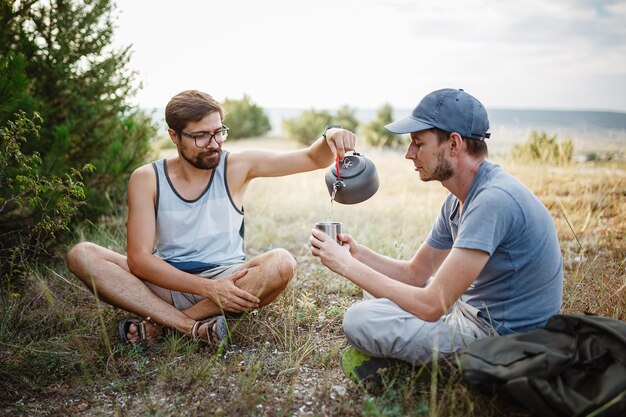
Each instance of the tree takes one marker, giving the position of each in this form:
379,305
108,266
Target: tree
307,127
60,64
245,119
374,132
346,118
68,134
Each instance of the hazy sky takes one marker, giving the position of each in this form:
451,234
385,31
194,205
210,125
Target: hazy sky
549,54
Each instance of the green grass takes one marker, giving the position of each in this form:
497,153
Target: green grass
59,352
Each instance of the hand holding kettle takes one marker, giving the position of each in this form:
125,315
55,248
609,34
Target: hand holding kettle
353,178
339,140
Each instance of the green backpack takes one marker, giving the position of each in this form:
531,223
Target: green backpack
575,366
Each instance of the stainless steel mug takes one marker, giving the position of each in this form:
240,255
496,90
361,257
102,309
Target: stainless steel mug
332,229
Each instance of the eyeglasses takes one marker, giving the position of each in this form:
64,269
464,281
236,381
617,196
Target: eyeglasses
202,139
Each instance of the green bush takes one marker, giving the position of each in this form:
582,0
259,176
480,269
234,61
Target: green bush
245,119
546,149
307,127
34,209
374,132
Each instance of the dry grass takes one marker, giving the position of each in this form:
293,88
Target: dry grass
59,352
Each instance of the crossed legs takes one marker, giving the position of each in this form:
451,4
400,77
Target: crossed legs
107,275
380,328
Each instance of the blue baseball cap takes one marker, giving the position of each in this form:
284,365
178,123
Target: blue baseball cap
450,110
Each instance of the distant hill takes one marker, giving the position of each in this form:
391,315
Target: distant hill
559,118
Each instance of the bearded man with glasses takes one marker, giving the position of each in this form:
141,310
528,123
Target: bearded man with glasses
185,267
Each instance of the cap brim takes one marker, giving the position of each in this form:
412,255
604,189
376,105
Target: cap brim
407,125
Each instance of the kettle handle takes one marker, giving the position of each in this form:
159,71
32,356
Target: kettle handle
354,153
337,160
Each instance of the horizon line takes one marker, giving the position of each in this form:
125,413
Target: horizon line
498,108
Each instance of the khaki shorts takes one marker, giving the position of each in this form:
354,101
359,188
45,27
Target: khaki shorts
184,300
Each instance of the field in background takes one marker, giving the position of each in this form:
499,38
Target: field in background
60,351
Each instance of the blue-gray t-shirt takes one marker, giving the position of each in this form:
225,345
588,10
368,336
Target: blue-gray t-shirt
521,285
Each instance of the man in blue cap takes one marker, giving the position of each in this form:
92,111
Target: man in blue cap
490,265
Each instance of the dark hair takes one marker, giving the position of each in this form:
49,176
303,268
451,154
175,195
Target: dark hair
190,106
475,147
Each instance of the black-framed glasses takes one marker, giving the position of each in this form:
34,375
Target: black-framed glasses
202,139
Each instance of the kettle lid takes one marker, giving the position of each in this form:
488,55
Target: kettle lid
350,166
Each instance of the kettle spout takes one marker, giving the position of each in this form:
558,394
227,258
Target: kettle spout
336,187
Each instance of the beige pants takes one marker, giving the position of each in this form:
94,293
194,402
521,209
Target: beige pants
379,327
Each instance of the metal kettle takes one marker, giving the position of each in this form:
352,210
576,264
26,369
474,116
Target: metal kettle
352,180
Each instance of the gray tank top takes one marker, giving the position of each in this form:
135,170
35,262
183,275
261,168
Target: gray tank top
200,234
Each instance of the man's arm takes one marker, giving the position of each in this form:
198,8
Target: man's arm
141,230
414,272
250,164
457,272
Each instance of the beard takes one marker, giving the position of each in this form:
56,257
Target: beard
200,160
443,171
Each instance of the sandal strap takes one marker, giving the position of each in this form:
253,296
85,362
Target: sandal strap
194,330
141,330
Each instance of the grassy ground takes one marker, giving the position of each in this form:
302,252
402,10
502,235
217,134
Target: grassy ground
59,351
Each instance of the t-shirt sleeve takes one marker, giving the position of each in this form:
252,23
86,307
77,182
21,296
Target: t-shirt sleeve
485,224
440,236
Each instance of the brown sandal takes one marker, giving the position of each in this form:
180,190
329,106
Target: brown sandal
220,332
124,326
145,340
